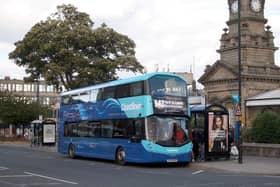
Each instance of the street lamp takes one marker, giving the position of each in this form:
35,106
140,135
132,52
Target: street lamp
239,83
38,97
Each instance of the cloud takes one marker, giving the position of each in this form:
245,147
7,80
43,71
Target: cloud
184,34
5,47
17,17
11,70
165,34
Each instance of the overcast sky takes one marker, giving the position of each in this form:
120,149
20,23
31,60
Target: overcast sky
181,33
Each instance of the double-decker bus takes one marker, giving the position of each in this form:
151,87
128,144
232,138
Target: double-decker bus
142,119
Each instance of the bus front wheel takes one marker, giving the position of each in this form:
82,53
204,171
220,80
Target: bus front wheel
71,151
120,156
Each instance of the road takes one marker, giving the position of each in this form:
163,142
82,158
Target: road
22,167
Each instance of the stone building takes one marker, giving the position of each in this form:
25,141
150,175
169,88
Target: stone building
47,94
258,70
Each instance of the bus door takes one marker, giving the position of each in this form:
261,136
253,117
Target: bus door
94,144
105,142
136,132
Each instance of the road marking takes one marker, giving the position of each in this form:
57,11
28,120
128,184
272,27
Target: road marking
51,178
41,184
14,176
3,168
197,172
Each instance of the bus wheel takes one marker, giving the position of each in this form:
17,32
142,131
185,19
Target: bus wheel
71,151
120,156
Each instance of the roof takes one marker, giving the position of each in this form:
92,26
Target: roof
272,94
212,68
120,82
271,97
198,108
36,121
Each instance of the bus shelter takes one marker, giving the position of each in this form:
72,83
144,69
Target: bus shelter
210,132
43,132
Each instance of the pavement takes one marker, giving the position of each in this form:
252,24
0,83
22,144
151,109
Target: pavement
27,144
250,165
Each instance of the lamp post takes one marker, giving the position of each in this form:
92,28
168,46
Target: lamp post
239,84
38,97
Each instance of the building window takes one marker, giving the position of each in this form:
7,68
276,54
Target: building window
27,88
50,88
19,87
42,88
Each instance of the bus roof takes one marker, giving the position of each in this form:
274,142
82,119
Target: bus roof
36,121
120,82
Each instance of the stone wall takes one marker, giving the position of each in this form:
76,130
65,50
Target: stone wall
260,149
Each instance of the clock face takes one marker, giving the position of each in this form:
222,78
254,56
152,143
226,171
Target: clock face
234,6
256,5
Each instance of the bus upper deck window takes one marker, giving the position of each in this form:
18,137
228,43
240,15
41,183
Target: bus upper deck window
84,97
75,99
93,95
137,89
65,100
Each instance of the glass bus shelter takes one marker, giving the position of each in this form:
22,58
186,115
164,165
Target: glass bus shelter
210,132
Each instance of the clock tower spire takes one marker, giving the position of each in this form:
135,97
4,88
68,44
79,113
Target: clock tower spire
258,70
252,11
255,35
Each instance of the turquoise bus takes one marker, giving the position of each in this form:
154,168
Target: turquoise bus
143,119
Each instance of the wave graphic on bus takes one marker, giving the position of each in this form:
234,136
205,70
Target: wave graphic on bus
108,108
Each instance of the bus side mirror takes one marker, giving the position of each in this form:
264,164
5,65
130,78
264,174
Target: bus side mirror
135,139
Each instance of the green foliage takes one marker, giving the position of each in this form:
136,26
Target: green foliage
17,110
247,135
66,49
266,128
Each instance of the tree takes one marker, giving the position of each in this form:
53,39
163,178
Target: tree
18,110
66,49
266,128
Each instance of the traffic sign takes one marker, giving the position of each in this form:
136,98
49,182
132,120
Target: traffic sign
238,111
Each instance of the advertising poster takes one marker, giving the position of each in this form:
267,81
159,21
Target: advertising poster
218,133
49,134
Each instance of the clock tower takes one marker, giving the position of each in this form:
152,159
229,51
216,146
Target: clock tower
258,70
257,46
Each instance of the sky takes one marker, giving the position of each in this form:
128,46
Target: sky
180,34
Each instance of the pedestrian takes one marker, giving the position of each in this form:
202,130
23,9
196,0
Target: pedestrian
195,144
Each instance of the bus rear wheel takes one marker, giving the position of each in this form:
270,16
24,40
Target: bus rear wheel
71,151
120,156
